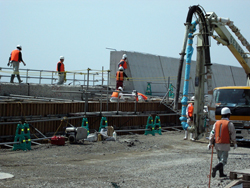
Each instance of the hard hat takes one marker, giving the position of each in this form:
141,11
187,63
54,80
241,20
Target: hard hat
121,68
124,56
225,111
120,88
192,98
61,57
19,46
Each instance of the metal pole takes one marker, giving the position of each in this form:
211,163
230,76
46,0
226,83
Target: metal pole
52,78
118,100
88,79
108,91
168,87
93,79
86,103
74,79
27,74
136,101
84,80
40,77
102,75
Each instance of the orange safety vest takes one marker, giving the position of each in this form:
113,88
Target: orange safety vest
143,96
61,67
222,132
124,64
190,110
15,55
119,76
115,94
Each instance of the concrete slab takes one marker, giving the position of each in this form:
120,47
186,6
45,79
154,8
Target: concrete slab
5,175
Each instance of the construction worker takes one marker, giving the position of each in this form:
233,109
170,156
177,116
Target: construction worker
190,121
120,74
140,97
223,133
123,62
115,94
61,71
14,60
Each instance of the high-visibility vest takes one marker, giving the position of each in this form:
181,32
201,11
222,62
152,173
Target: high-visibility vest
115,94
123,64
221,132
190,110
119,76
143,96
15,55
61,67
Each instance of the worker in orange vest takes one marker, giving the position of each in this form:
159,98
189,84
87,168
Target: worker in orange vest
61,71
120,74
14,60
123,62
140,97
223,133
115,94
190,121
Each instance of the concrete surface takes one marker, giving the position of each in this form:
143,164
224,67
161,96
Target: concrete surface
145,68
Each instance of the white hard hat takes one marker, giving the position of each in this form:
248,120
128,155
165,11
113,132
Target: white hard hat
121,68
225,111
61,57
19,46
192,98
124,56
120,88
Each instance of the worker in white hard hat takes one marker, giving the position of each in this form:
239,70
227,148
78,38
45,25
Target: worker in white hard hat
14,60
61,71
222,134
123,62
116,94
120,75
190,120
139,96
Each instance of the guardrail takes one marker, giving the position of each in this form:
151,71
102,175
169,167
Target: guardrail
51,77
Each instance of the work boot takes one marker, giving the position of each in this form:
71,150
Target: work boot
217,167
19,79
191,137
186,135
222,173
12,78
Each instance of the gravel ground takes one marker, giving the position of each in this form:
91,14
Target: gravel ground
132,161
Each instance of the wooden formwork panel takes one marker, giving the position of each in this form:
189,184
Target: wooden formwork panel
45,109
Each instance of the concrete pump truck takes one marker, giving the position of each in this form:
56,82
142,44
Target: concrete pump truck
237,98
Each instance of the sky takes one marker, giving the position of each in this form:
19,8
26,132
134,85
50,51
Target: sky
82,30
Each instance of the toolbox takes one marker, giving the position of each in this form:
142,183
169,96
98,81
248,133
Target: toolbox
58,140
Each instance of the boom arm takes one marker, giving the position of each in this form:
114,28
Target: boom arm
218,25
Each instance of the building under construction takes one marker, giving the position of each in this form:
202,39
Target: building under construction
50,107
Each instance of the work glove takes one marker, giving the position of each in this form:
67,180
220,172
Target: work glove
235,146
8,64
127,79
209,146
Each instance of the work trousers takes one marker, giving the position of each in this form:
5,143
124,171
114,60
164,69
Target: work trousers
15,65
60,78
119,84
222,156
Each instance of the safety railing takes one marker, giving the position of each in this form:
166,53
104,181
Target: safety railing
83,77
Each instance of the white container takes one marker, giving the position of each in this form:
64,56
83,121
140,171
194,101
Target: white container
114,135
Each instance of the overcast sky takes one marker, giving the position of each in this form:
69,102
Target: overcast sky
81,30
